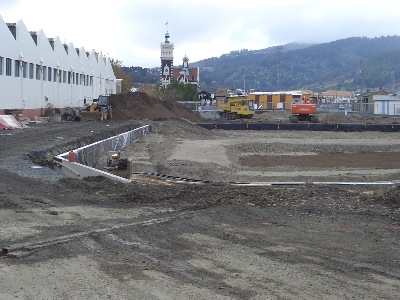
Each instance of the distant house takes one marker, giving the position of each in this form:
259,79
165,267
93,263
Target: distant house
386,105
185,74
203,95
365,102
336,97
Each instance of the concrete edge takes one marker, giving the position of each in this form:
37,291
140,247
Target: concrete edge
76,170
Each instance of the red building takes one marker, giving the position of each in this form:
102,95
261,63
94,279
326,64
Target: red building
185,74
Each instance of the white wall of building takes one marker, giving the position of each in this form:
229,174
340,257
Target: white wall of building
386,105
76,74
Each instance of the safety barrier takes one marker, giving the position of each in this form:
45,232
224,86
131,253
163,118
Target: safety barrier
302,126
9,122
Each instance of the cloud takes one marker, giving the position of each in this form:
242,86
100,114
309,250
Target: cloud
132,31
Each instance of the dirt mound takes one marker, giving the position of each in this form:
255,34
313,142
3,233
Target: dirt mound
140,106
388,197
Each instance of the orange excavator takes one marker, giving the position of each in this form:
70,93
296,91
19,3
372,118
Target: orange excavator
304,111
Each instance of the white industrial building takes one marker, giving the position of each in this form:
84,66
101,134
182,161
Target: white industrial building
37,71
386,105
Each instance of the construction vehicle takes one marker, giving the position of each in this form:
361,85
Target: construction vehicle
235,106
71,114
304,108
303,112
119,166
100,109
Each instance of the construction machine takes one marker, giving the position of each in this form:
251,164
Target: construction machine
304,112
100,109
119,166
71,114
304,108
234,107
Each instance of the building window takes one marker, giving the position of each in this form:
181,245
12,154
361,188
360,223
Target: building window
91,80
38,72
24,69
49,74
8,66
166,70
77,78
55,75
17,64
59,76
44,73
69,77
1,65
31,71
73,77
64,76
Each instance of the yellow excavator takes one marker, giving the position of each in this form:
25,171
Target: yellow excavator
234,107
100,109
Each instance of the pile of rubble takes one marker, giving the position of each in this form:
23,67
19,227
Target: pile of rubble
140,106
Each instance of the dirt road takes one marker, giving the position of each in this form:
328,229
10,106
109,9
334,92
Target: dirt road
153,239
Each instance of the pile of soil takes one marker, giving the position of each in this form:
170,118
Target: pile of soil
388,197
140,106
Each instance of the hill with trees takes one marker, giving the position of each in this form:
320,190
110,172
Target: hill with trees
347,64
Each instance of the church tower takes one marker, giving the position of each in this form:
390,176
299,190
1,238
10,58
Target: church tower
167,58
184,72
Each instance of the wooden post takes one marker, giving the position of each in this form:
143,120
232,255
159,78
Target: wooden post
129,169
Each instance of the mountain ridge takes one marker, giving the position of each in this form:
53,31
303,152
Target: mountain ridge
351,64
346,64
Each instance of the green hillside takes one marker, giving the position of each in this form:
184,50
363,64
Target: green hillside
334,65
346,64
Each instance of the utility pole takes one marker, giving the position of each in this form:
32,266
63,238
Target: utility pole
279,49
244,80
394,92
362,76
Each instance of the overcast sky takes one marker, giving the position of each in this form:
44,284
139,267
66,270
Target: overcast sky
132,30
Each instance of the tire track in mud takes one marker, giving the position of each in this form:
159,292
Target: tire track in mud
35,245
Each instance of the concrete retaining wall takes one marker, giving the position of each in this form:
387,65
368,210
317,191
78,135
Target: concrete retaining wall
85,158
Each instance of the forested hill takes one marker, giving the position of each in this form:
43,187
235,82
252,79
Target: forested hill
345,64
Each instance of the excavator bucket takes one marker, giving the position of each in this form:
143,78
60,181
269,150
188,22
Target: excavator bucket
90,115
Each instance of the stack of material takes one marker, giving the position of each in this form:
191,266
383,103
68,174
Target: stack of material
140,106
9,122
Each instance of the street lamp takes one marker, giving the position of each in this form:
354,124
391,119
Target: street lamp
279,49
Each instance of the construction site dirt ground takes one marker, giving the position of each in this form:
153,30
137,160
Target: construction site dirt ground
94,238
